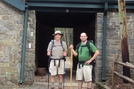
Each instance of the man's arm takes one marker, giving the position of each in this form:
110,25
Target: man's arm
95,55
49,49
74,53
65,49
93,58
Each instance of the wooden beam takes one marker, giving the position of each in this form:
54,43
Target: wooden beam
129,65
124,77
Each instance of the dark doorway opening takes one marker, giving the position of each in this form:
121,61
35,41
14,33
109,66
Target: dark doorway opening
46,22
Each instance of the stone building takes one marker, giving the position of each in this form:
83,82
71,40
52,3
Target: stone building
26,27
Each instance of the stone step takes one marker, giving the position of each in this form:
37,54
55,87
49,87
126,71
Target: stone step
64,84
43,80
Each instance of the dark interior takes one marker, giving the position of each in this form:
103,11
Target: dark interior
46,22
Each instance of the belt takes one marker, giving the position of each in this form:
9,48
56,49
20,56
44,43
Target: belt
58,60
81,63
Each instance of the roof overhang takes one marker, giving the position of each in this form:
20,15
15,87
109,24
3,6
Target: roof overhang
86,6
17,3
78,5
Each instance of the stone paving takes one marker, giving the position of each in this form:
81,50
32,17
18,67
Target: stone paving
41,82
36,86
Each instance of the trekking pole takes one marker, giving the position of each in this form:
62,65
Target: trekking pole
48,79
71,54
64,75
48,70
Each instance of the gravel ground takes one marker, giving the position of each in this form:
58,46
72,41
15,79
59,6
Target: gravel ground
121,85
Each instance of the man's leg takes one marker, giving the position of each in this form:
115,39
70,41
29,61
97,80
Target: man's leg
52,81
80,83
87,70
79,76
89,85
60,81
53,72
61,71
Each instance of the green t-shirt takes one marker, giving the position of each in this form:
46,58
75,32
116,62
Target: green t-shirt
83,52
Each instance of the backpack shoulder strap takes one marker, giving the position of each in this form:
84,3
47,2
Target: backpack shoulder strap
61,42
88,45
77,46
52,41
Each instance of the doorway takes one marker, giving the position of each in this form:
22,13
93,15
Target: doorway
47,22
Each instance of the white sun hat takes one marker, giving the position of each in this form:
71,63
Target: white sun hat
57,32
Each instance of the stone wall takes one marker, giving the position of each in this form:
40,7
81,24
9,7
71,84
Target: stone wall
113,43
11,32
11,26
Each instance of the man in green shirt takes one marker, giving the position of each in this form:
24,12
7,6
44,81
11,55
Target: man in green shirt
84,68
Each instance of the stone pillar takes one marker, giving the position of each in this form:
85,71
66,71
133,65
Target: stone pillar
30,49
11,26
112,42
98,43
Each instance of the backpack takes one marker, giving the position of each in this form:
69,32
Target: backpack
88,46
61,42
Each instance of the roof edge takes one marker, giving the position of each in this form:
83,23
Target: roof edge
19,4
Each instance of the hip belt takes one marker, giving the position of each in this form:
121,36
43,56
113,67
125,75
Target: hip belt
58,60
81,63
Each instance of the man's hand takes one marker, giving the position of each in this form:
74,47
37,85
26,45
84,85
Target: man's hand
71,46
48,53
88,62
64,54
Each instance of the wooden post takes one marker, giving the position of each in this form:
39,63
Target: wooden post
71,55
115,69
124,35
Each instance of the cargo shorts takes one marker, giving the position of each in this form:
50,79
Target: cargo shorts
57,69
84,72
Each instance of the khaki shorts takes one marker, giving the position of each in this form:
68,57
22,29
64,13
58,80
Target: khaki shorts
84,72
54,69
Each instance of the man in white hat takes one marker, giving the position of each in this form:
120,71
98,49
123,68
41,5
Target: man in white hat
57,50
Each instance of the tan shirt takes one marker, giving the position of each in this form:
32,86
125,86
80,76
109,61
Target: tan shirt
57,50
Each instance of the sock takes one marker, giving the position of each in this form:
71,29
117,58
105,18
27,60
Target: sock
52,84
60,85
